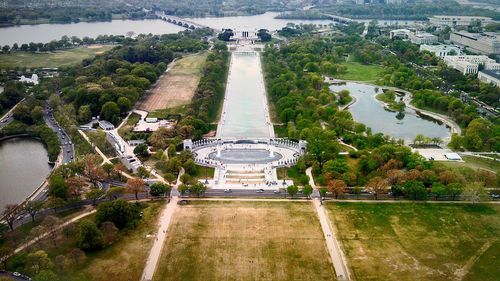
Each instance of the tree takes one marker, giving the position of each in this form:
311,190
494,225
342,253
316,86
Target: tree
58,187
52,223
307,190
120,212
292,190
37,262
336,187
416,190
453,190
75,186
32,208
158,189
474,192
108,169
124,104
323,191
45,275
438,190
183,188
198,188
115,191
396,190
92,168
110,112
141,150
76,256
377,185
109,232
94,194
136,185
89,236
54,203
10,214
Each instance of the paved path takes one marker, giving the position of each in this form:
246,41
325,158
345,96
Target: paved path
154,254
338,259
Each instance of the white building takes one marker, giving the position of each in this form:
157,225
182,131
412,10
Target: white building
441,50
490,77
33,80
458,20
483,43
399,33
420,38
470,64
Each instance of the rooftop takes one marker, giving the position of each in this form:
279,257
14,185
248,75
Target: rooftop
492,73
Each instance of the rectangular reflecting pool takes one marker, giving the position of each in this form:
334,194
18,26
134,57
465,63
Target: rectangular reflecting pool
245,113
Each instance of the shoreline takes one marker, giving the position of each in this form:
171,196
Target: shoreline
453,127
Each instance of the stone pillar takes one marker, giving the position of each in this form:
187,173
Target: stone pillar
271,151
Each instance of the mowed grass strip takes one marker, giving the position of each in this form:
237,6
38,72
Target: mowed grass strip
361,72
51,59
419,241
221,240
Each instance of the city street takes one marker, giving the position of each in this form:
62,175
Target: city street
67,146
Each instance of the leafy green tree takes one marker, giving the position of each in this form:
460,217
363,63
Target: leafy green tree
120,212
158,189
183,188
438,190
37,262
474,192
58,187
32,208
292,190
307,190
141,150
110,112
416,190
198,188
89,236
124,104
115,191
94,194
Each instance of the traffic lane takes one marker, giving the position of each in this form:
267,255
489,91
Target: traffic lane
66,144
5,121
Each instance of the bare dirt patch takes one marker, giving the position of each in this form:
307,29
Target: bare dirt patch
177,86
220,240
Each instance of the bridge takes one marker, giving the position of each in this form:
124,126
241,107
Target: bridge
181,21
340,19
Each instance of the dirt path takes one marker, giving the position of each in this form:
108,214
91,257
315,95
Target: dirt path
462,272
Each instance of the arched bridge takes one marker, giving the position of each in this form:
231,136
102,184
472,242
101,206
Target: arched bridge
180,21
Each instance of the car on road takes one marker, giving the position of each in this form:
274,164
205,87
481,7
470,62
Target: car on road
17,274
276,191
227,191
260,190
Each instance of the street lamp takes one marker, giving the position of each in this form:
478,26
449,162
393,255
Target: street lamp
206,175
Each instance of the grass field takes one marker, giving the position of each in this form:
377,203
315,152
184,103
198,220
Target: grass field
230,240
475,163
177,87
419,241
51,60
361,72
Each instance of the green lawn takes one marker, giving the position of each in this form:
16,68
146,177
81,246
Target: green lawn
473,163
361,72
419,241
53,59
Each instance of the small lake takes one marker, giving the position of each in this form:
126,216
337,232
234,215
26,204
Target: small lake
369,111
265,20
43,33
23,167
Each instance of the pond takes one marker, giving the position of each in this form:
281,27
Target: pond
369,111
23,167
43,33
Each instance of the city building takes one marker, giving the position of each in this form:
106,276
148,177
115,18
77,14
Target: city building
399,34
458,20
420,38
483,43
441,50
33,80
490,77
470,64
106,126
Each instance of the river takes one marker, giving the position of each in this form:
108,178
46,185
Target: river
43,33
23,167
369,111
266,20
245,113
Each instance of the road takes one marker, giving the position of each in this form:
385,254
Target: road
68,149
